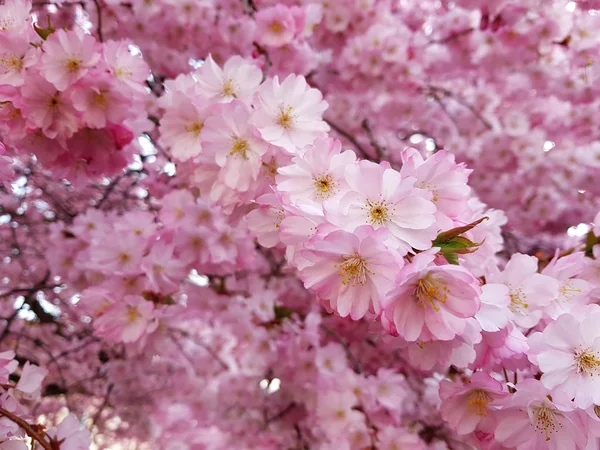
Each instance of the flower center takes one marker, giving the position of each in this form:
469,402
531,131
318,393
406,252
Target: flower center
132,314
239,148
545,420
195,128
518,303
568,291
73,65
276,27
228,90
54,102
100,99
354,269
12,63
285,118
324,185
587,361
429,291
379,212
478,401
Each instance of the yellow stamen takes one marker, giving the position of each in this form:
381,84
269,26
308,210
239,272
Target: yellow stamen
354,269
285,118
546,420
195,128
478,401
429,291
240,148
324,185
228,90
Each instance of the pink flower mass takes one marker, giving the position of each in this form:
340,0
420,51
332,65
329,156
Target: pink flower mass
299,225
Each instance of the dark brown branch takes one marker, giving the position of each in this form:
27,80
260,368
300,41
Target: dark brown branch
28,428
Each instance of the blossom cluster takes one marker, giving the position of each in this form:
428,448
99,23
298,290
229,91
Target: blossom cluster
73,102
267,225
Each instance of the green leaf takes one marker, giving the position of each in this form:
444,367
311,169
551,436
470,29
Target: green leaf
452,244
44,32
590,241
455,232
281,312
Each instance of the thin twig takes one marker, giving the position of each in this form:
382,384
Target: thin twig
104,403
99,13
280,414
355,362
349,137
452,37
380,149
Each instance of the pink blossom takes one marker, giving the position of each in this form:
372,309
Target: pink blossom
7,365
380,197
290,114
572,291
122,253
235,144
181,127
15,57
318,174
275,26
164,269
529,292
47,108
71,434
238,79
465,405
529,420
127,320
99,101
431,301
568,354
127,68
353,271
30,382
68,55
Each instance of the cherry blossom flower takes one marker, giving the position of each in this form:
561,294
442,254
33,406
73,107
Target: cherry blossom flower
465,405
353,271
531,421
318,174
568,354
380,197
289,114
276,26
431,301
230,137
238,79
71,434
68,55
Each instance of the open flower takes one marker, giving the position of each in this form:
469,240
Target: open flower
353,271
380,197
68,55
232,140
290,114
431,301
568,354
464,405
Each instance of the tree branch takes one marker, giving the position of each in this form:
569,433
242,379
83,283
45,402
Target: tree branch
28,428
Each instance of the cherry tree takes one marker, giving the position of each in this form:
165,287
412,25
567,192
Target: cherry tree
310,224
